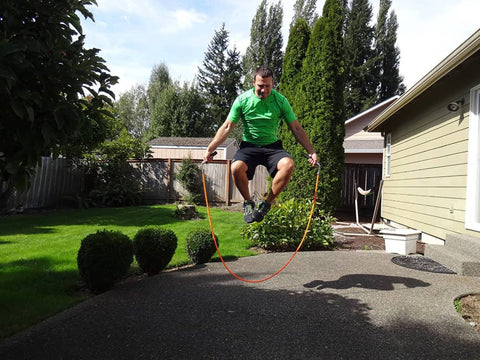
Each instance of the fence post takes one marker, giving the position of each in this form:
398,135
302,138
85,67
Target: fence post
227,183
169,167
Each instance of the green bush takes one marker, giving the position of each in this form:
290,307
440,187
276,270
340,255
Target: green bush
154,248
104,258
284,226
199,246
189,176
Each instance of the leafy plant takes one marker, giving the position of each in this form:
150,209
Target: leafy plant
284,226
199,246
54,89
458,305
154,248
111,179
104,258
189,177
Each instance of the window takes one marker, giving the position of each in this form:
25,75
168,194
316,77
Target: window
472,208
388,149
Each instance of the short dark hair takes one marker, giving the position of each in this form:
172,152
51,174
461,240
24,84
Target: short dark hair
263,72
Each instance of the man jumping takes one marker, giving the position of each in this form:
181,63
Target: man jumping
261,111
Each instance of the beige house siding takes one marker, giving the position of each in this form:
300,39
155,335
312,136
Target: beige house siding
426,189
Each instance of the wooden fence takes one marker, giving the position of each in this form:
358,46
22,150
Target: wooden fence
54,180
159,178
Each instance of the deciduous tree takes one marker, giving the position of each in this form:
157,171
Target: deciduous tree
304,9
266,42
388,54
132,110
54,90
360,80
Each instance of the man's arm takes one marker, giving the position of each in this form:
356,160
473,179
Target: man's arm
220,137
302,137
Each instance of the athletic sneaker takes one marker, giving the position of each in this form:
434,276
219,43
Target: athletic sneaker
262,210
248,209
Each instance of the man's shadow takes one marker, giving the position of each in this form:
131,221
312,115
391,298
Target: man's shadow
366,281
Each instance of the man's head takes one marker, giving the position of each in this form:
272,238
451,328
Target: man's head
263,81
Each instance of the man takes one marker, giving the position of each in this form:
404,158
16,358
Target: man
261,110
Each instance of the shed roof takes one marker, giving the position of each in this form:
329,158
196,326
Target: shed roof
187,142
467,49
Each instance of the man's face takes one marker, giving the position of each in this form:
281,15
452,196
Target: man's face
263,86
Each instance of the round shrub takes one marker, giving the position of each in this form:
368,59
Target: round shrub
199,246
104,258
154,248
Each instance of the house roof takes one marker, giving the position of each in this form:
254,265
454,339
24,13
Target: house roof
369,111
450,63
187,142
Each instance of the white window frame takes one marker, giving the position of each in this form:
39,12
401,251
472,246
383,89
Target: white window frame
388,153
472,205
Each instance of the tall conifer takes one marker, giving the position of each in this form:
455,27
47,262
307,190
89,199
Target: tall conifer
219,78
321,109
292,72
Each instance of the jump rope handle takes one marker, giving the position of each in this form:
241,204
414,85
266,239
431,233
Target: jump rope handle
212,155
308,157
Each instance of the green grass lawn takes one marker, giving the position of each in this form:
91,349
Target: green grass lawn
38,253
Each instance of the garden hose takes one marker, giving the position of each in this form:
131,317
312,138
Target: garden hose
291,257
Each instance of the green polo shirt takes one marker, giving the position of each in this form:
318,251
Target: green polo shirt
261,117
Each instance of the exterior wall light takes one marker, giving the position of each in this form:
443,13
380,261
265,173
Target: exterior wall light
455,105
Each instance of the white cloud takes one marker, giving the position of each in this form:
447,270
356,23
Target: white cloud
134,35
186,19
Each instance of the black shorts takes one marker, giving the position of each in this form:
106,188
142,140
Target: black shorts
266,155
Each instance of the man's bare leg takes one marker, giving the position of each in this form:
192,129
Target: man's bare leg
239,173
284,172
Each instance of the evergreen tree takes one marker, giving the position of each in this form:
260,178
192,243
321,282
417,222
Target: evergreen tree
265,43
219,79
321,109
388,54
360,81
175,110
292,71
304,9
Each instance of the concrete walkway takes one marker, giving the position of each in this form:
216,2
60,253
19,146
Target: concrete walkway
324,305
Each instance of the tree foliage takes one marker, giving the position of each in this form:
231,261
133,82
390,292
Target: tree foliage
290,83
266,42
132,110
219,78
360,60
54,89
175,110
111,179
304,9
321,110
388,54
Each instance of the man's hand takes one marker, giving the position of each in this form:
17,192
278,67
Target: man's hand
209,156
313,159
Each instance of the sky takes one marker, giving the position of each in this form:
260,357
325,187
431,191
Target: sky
136,35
